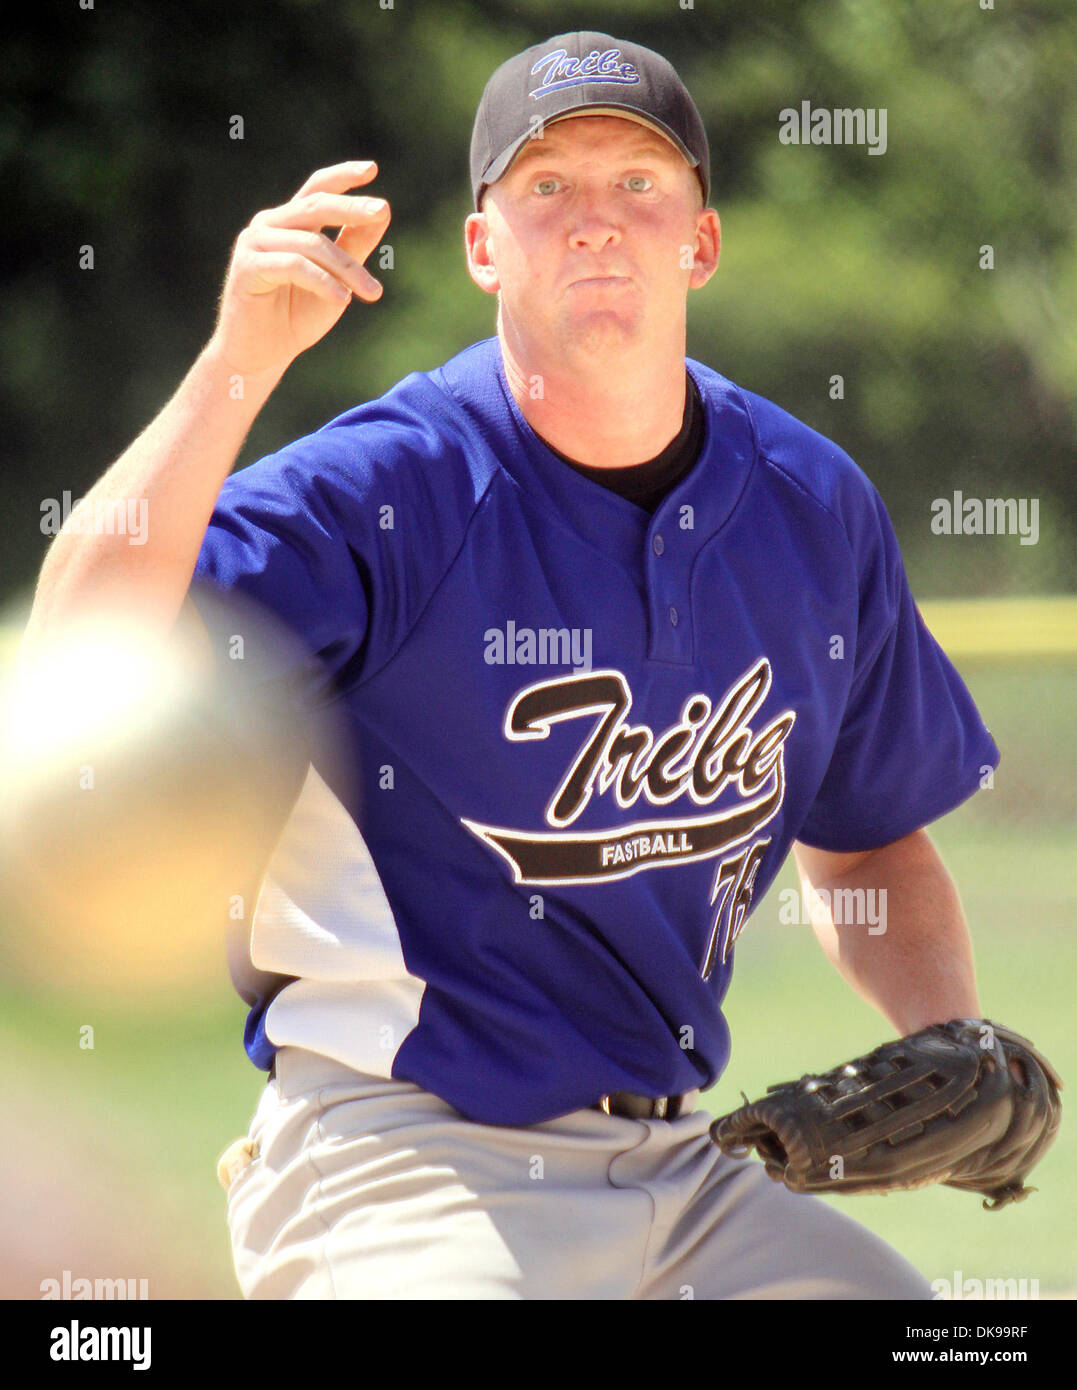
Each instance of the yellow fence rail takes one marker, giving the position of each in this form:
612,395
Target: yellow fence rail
979,627
1004,627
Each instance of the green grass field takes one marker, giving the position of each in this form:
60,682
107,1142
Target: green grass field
118,1144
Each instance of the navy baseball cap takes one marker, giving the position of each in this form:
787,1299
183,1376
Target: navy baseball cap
573,73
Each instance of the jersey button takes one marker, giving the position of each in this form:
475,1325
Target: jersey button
674,616
659,545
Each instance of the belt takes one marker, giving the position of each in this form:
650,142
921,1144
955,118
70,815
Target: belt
623,1103
633,1107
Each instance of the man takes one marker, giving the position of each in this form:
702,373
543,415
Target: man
485,1057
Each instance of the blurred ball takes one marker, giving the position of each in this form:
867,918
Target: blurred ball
143,789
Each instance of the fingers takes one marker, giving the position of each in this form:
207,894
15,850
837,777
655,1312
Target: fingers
277,268
324,202
313,211
338,178
322,252
348,239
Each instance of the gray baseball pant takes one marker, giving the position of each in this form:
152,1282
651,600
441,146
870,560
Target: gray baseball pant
353,1186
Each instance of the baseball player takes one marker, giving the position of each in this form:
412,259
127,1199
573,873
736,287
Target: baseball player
611,635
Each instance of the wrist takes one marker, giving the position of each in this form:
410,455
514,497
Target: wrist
240,383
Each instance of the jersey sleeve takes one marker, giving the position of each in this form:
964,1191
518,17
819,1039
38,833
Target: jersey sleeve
320,557
911,745
278,581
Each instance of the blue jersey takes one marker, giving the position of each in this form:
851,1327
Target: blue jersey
585,736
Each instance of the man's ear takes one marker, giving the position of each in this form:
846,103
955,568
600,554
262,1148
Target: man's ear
479,249
708,248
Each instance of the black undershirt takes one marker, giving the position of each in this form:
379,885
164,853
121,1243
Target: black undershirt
646,484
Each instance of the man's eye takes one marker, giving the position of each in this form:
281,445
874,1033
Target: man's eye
638,183
545,186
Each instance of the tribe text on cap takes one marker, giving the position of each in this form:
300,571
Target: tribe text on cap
562,70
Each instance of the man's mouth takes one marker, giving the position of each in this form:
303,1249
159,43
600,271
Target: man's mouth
601,281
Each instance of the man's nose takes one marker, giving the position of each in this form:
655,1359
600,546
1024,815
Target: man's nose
594,234
593,227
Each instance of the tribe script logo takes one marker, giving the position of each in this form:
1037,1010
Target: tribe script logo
703,754
563,71
699,757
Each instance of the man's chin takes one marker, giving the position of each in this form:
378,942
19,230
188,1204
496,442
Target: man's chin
600,331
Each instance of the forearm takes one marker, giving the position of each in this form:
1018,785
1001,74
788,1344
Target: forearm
914,961
173,473
287,285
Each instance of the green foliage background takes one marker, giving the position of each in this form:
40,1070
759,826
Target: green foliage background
114,133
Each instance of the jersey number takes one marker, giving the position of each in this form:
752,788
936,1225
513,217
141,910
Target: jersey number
732,891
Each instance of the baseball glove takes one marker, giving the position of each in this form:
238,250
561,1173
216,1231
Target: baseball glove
967,1103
